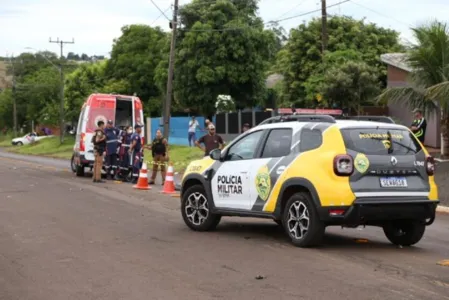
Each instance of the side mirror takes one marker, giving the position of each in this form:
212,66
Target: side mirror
215,154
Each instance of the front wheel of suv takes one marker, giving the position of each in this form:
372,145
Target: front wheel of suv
404,233
301,221
196,210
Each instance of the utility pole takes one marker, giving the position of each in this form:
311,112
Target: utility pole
14,103
323,26
61,74
171,67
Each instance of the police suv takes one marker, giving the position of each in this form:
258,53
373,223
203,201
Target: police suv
310,172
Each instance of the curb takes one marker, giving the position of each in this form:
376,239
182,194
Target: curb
443,209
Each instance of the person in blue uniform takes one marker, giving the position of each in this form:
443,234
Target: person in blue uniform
112,139
136,152
124,155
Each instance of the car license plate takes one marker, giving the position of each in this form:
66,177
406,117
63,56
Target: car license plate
393,182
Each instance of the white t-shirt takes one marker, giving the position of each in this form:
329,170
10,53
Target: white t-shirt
193,124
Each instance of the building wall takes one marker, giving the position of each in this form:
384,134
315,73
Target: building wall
397,78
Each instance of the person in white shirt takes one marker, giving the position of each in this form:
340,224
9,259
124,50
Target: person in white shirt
193,124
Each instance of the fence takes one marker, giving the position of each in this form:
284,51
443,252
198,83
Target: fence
178,129
228,125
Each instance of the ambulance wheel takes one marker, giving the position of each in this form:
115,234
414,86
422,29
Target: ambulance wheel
196,210
80,170
73,164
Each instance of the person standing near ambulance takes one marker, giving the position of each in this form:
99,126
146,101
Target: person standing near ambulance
99,141
124,155
136,152
112,136
159,150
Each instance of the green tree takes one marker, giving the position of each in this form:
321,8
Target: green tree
223,49
134,58
313,84
428,82
6,111
300,58
350,85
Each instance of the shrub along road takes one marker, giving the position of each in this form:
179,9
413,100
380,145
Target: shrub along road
64,238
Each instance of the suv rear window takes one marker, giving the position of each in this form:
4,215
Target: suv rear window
380,141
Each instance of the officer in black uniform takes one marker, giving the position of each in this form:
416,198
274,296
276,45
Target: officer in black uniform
136,152
112,139
125,156
159,150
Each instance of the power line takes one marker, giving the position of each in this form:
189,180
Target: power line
290,10
162,12
379,13
266,23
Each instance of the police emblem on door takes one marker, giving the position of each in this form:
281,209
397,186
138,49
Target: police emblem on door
361,163
263,183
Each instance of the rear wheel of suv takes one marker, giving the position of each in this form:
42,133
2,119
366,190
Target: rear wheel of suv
196,210
301,221
404,233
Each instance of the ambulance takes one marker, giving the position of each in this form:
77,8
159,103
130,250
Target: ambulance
122,110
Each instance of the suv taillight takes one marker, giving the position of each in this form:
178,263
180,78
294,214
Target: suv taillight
430,165
343,165
82,145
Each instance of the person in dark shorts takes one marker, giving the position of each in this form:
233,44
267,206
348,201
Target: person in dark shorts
211,141
159,150
419,125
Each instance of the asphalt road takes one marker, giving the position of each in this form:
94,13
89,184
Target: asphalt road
64,238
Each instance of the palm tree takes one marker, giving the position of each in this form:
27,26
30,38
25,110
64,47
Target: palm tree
428,88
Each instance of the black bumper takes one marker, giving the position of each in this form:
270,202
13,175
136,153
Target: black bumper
377,214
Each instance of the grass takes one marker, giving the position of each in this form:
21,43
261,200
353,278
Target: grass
50,147
5,140
180,156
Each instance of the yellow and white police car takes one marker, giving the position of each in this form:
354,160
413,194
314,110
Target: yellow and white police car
310,172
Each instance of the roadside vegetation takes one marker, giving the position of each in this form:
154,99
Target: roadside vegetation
180,156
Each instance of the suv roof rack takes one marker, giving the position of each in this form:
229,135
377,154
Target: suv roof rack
381,119
299,118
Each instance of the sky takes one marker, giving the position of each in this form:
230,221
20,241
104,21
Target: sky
93,24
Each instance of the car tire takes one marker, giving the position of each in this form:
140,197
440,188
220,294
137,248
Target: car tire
80,170
19,144
196,210
404,233
300,213
72,164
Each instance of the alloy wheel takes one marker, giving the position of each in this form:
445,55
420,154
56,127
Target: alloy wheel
197,208
298,220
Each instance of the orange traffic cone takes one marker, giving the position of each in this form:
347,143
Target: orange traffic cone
142,182
169,184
